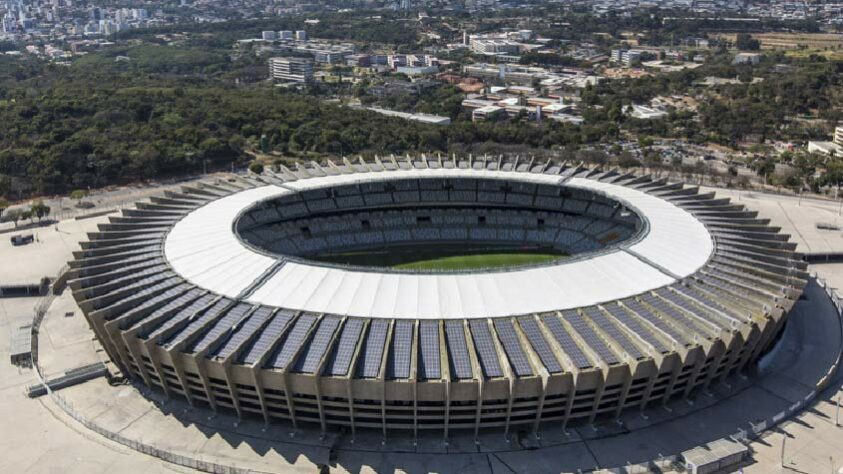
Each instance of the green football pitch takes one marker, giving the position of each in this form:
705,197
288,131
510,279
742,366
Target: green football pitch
451,257
477,261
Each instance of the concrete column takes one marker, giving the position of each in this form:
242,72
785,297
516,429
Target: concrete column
598,395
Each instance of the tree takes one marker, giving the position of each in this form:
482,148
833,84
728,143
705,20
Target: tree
78,194
745,42
39,209
15,215
256,167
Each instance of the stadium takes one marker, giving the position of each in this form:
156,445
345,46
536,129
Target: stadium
435,294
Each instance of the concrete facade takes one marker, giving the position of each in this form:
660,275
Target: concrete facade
167,333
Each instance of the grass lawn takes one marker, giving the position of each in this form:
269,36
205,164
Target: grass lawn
475,261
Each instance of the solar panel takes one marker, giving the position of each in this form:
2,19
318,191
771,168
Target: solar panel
150,304
708,295
651,318
318,346
171,321
154,264
537,341
457,350
344,350
680,317
626,319
485,347
590,336
734,291
196,323
114,284
402,344
512,347
271,333
173,305
145,287
243,333
373,348
429,367
566,341
232,317
612,330
691,308
292,343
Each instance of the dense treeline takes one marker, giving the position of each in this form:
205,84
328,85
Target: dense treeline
764,109
152,110
69,128
362,26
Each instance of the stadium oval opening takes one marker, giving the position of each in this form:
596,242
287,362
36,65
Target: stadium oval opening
439,224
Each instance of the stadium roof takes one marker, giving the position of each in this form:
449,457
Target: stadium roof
204,249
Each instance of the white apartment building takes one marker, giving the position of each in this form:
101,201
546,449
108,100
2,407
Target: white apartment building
291,69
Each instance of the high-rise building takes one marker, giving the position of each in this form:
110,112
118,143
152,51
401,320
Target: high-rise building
269,36
301,35
285,35
291,69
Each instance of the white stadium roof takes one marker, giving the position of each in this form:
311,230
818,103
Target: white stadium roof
204,249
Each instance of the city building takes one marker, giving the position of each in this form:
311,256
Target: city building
825,148
423,118
747,58
626,57
832,148
301,35
291,69
644,112
494,46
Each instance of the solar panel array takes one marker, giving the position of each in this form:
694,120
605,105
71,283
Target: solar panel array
540,345
292,343
612,330
632,324
270,334
232,317
243,333
577,321
512,346
657,322
130,317
729,272
402,346
373,348
429,360
709,300
485,348
735,292
163,318
134,291
566,342
157,271
340,362
678,316
196,323
458,350
309,361
147,292
684,302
